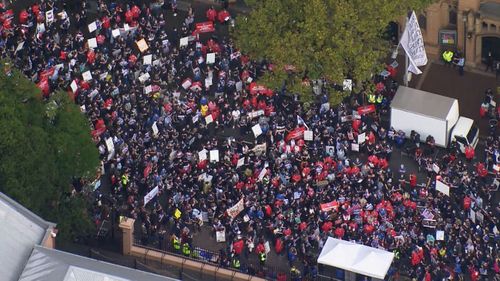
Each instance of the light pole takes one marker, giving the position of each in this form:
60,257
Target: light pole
464,19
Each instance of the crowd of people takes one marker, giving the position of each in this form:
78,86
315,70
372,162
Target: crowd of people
181,122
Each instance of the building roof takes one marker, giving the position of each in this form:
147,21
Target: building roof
490,9
423,103
21,229
53,265
356,258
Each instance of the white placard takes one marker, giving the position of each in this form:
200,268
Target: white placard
115,32
347,85
148,89
155,129
236,209
186,84
208,82
151,195
257,113
472,216
267,247
92,43
184,41
20,46
239,86
443,188
262,174
436,168
355,147
209,119
241,162
220,236
361,138
126,27
87,75
103,76
308,135
74,86
92,27
257,130
49,16
148,59
144,77
110,145
202,155
40,27
439,235
214,155
210,58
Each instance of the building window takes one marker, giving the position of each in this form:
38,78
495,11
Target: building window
452,16
484,26
493,27
422,21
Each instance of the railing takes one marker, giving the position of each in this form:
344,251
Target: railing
207,257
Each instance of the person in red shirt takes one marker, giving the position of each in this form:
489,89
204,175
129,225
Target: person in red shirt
211,14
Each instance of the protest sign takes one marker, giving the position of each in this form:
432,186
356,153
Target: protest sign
347,85
115,32
74,86
429,223
142,45
209,119
155,129
144,77
254,114
49,16
355,147
177,214
147,60
220,236
214,155
259,149
186,83
236,209
257,130
308,135
150,195
92,42
210,58
435,168
439,235
329,206
361,138
442,187
240,163
202,155
87,76
204,27
92,27
262,174
184,41
362,110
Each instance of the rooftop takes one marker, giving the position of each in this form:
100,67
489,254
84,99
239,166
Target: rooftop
21,229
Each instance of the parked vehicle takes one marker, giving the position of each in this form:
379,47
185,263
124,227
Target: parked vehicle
434,115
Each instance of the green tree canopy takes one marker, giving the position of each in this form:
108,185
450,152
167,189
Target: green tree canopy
334,39
43,145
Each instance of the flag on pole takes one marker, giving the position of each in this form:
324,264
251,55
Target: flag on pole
413,44
300,121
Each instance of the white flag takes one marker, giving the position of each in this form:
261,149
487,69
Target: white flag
413,44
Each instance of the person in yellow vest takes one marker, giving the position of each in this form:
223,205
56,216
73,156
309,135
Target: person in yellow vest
124,179
204,110
236,263
380,98
186,250
448,57
371,98
176,244
262,258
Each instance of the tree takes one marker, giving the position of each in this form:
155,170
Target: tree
335,39
43,146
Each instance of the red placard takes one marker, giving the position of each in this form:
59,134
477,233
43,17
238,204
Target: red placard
362,110
334,205
204,27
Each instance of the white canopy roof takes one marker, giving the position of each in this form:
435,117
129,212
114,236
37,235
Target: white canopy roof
356,258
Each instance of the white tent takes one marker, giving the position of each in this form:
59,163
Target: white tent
356,258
